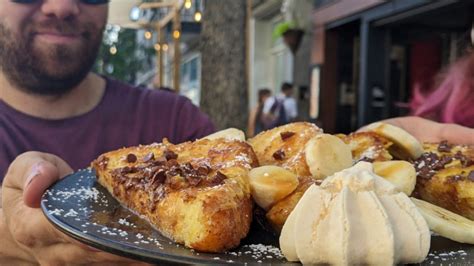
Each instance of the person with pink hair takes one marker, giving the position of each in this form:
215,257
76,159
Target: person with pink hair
452,101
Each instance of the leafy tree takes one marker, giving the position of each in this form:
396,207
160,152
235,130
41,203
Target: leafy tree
122,56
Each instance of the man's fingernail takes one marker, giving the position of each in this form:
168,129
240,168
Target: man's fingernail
34,172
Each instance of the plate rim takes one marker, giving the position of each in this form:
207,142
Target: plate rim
125,249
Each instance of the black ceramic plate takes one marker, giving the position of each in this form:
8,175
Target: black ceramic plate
83,209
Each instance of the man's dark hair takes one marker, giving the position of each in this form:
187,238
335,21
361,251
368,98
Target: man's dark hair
286,86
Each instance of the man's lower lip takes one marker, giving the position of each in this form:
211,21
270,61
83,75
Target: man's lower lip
57,38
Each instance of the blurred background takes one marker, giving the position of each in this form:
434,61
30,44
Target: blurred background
350,62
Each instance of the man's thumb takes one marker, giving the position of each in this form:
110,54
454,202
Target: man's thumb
40,176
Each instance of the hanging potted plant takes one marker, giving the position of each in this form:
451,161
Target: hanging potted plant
291,34
291,30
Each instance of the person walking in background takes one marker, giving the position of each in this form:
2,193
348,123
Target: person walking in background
452,101
280,109
255,125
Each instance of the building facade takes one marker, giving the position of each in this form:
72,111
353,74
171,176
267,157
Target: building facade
369,57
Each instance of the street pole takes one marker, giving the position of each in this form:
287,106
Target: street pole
161,38
177,51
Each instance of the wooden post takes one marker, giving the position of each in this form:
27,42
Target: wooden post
161,38
248,58
177,50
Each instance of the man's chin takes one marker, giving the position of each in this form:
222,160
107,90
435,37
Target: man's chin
55,78
60,71
52,86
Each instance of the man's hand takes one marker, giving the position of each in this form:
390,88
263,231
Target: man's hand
428,131
25,234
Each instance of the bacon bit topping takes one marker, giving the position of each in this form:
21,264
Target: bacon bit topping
131,158
444,146
279,155
149,157
170,155
287,134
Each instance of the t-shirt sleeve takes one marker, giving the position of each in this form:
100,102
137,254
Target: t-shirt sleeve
267,105
290,105
192,123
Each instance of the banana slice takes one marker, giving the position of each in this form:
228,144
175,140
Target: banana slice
401,174
229,134
404,146
269,184
446,223
327,154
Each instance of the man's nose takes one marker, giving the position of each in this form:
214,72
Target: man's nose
60,9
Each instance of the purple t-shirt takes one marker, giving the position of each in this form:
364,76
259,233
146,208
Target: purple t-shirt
125,116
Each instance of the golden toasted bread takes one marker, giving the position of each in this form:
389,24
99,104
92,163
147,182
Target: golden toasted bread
368,146
445,177
196,193
284,146
278,214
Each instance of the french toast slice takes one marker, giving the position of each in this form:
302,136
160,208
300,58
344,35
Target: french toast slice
195,193
445,177
284,146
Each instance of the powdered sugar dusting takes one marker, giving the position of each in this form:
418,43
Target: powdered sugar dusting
71,213
436,257
260,252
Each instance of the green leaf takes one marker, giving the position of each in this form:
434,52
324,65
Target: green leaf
281,28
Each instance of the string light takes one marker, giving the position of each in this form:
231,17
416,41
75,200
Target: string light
157,46
187,4
176,34
165,47
148,35
113,50
197,16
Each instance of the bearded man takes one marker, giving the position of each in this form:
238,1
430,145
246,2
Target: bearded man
56,116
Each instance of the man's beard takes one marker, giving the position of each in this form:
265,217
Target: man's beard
49,69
